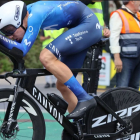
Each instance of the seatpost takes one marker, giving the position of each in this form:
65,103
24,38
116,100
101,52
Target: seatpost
96,65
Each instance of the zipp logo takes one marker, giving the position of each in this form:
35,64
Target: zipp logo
109,118
98,26
17,12
27,43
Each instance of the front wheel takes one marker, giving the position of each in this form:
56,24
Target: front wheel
30,121
126,103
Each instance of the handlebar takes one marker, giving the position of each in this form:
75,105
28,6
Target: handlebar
11,74
38,72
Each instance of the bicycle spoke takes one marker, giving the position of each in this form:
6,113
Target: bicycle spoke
21,116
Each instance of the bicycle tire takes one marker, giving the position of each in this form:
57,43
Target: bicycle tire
126,103
33,112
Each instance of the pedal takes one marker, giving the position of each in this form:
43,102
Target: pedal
58,101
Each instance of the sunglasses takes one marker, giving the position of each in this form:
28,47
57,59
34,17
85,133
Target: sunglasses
8,30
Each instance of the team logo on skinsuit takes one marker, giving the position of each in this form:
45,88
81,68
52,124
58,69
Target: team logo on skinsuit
31,29
30,15
8,40
63,5
69,22
90,15
27,43
53,47
69,39
98,26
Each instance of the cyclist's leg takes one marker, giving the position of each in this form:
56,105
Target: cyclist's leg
71,42
68,95
72,61
60,70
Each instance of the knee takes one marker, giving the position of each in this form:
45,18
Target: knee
46,58
43,57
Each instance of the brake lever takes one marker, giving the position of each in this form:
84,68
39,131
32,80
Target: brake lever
8,81
7,75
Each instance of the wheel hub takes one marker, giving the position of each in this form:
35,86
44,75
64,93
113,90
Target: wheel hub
127,132
11,135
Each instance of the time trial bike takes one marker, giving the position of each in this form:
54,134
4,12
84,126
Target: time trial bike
116,116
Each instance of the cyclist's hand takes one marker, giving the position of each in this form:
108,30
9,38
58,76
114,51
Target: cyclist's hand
118,64
106,32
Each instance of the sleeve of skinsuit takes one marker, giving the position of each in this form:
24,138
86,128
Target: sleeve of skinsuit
35,20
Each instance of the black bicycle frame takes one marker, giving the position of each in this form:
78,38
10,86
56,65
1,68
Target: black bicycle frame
27,82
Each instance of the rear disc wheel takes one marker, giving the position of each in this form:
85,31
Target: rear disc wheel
126,103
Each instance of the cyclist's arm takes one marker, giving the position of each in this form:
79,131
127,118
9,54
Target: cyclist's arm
29,37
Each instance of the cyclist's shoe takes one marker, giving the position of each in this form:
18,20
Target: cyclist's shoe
82,108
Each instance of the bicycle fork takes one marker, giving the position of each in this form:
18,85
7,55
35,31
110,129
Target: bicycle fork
10,120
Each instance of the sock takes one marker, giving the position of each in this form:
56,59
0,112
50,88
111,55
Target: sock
77,89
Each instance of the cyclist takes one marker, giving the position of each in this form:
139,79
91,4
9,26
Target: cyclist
22,24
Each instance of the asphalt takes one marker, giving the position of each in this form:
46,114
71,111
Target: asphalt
53,129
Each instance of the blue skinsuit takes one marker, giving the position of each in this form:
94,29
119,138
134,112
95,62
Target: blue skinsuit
71,46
